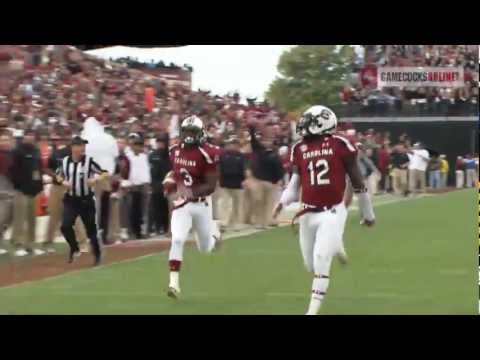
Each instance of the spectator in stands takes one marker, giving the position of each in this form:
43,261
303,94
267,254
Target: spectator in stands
232,175
434,172
400,161
419,158
26,176
470,171
444,169
460,173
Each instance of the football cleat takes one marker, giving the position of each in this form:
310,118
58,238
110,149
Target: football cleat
173,293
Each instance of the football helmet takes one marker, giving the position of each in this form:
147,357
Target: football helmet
192,130
317,120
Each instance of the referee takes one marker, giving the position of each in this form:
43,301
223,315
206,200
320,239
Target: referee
77,175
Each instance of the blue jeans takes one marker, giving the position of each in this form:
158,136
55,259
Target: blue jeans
434,179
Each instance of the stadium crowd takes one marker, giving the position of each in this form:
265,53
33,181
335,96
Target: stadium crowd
361,96
50,94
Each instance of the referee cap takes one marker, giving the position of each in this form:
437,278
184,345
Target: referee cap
77,140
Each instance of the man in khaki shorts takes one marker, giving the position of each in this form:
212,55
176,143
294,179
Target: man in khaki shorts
25,174
267,170
419,158
55,199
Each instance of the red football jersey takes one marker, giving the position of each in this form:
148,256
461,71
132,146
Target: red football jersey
190,164
321,165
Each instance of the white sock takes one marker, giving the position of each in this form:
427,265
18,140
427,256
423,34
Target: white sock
174,280
319,289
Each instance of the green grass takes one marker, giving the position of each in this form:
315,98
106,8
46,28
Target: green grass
421,258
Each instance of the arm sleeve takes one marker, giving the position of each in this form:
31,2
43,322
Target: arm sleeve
280,170
292,191
15,165
96,169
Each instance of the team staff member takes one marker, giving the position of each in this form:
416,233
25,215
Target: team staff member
77,174
159,217
55,198
26,175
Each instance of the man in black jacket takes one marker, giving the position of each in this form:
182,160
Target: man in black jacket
267,169
232,175
26,176
400,160
159,168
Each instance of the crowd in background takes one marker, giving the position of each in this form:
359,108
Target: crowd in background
134,63
403,168
48,94
361,96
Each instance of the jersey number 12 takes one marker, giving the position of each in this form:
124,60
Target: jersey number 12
318,178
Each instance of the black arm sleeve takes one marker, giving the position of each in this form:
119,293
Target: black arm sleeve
279,170
243,168
15,166
96,169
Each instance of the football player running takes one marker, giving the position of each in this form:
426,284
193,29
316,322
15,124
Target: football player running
192,180
322,161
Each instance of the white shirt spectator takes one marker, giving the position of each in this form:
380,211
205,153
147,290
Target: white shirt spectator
101,146
139,169
419,160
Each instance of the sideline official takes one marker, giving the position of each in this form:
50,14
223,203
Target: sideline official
77,174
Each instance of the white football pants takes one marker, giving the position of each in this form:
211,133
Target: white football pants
196,217
321,238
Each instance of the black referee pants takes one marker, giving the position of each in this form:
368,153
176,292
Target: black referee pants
85,208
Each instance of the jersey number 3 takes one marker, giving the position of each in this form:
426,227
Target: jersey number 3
187,178
318,172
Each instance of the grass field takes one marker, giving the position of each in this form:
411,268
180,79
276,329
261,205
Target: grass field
421,258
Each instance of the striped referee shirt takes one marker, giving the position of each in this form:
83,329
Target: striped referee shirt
77,173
